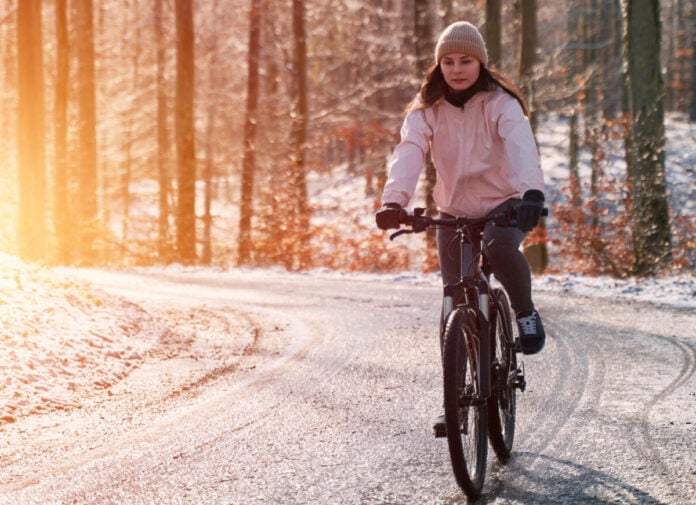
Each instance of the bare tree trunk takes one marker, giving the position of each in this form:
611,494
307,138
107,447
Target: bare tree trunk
424,57
611,65
87,201
208,168
129,125
537,254
207,252
494,32
594,24
249,155
692,111
31,148
8,53
651,229
528,46
298,175
448,13
573,158
185,134
162,136
125,184
61,220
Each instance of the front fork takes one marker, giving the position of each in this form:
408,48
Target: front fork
483,360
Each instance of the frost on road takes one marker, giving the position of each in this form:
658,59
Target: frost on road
262,387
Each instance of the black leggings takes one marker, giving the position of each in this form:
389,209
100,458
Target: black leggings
502,248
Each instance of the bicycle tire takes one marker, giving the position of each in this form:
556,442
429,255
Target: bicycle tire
465,410
502,404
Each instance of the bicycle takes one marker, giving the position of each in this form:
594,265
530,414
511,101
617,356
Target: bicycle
481,375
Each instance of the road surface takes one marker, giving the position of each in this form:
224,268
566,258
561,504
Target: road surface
320,390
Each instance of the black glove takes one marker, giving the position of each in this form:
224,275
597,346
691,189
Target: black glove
389,216
529,211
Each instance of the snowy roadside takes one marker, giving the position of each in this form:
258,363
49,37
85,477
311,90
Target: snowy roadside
63,341
675,291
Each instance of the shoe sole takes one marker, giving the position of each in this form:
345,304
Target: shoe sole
532,349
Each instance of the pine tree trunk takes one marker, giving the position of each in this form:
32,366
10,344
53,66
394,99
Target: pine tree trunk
31,148
8,57
129,126
249,154
87,201
298,181
425,58
448,12
611,64
537,255
185,134
61,220
493,32
651,229
208,168
162,136
692,111
207,250
575,69
528,46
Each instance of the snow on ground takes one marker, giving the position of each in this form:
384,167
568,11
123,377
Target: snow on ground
61,340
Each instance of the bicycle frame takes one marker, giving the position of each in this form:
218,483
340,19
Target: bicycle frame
474,276
474,285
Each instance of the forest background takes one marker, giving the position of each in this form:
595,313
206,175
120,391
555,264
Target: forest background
159,131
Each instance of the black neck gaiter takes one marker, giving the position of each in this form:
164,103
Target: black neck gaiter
459,98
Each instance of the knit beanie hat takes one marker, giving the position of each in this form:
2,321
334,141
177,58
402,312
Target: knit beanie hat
461,37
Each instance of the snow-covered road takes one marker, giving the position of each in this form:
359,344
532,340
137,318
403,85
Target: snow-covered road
275,387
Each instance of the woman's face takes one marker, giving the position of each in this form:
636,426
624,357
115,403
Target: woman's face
460,70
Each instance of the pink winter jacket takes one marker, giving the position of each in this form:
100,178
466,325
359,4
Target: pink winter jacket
483,153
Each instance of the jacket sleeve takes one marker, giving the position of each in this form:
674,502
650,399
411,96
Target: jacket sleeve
520,146
407,160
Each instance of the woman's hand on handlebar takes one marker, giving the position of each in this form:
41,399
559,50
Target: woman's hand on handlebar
390,216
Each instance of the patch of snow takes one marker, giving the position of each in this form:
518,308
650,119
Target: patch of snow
61,339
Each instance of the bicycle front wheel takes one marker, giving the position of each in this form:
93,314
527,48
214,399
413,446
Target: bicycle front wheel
502,404
465,410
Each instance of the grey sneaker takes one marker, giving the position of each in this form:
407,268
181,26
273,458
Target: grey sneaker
532,334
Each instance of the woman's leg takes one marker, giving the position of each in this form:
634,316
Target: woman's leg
508,264
448,252
510,267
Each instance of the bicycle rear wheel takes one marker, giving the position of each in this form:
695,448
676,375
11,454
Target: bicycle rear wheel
506,378
465,410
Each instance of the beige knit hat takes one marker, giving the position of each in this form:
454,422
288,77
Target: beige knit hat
461,37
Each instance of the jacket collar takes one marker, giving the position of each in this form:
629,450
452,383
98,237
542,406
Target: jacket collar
476,98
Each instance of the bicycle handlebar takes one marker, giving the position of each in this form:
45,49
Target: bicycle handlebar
420,222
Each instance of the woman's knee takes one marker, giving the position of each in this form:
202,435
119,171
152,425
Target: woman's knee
502,244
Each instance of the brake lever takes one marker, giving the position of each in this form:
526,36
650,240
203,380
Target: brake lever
400,232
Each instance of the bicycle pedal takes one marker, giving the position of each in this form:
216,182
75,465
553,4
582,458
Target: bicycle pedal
520,384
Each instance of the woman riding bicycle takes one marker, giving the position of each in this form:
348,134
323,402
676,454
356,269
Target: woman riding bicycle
474,123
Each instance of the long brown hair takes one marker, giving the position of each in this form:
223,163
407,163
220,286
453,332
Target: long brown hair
434,87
